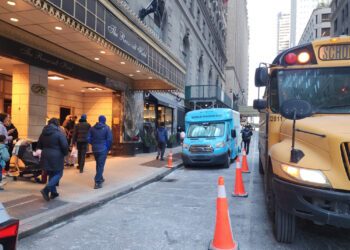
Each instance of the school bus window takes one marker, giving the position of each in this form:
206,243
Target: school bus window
274,103
326,89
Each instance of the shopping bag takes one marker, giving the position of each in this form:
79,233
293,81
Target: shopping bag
74,153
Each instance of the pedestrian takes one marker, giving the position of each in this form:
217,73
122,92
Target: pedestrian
182,135
11,131
162,138
54,146
4,157
100,138
246,136
69,124
81,132
3,131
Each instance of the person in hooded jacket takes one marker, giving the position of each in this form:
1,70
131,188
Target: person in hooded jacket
101,139
246,136
162,138
81,132
54,146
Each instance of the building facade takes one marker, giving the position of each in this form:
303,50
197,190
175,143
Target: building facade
283,31
237,41
300,14
340,20
318,26
60,58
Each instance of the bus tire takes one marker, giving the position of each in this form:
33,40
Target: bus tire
284,226
228,161
268,189
261,168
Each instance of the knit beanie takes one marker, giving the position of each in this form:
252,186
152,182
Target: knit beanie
102,118
83,116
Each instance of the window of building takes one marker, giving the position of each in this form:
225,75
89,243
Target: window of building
203,29
199,18
346,10
342,15
149,117
325,32
346,31
316,17
335,25
326,17
192,7
315,33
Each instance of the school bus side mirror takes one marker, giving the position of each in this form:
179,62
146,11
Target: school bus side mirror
296,109
261,77
233,133
260,104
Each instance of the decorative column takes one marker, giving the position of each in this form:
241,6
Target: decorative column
29,100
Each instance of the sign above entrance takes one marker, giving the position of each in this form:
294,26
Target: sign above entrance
38,89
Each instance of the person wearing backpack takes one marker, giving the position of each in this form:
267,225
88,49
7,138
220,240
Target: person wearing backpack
246,136
4,157
162,138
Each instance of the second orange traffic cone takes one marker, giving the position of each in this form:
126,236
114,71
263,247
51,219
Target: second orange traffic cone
245,163
223,235
3,172
239,186
170,161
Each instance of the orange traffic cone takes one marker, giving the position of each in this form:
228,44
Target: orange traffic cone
239,187
170,161
223,235
245,163
3,172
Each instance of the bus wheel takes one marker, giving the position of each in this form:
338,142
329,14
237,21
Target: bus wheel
269,194
284,227
228,161
261,168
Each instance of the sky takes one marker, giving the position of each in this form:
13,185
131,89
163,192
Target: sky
262,21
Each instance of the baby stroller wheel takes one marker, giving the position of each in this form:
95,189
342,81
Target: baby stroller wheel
15,178
37,180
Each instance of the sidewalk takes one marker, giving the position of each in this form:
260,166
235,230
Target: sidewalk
23,199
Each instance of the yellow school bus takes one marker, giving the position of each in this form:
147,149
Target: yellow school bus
304,135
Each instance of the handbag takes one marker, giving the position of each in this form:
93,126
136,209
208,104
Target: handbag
74,153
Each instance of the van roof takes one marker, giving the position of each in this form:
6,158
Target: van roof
216,114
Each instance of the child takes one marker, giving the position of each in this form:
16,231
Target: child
4,157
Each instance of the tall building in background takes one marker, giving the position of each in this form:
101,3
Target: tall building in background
283,31
237,39
340,18
300,14
319,25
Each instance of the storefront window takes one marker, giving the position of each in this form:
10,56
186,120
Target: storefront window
149,117
169,119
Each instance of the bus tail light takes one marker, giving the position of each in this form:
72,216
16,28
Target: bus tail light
303,57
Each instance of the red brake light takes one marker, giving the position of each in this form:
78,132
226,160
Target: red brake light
9,230
291,58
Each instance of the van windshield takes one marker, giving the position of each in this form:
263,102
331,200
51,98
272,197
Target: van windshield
206,130
326,89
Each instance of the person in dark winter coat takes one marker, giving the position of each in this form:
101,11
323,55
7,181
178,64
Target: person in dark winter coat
69,125
54,146
11,131
100,137
162,138
81,132
246,136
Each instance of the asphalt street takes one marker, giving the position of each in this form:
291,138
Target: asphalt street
179,212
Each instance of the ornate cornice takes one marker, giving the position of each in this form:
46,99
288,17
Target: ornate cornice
61,16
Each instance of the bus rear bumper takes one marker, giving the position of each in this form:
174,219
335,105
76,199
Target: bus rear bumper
319,205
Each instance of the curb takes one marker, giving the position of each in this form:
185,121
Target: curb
70,211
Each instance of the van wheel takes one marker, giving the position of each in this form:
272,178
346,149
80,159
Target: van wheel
284,227
228,161
261,168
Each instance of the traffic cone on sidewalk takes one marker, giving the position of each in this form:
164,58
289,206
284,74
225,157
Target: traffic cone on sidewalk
223,238
239,186
245,163
170,161
3,172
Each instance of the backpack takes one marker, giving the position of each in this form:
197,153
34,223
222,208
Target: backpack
246,134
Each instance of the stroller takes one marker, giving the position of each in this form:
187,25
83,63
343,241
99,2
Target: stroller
23,162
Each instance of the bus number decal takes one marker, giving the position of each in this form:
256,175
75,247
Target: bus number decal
275,118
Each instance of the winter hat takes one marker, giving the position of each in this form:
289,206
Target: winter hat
83,116
102,118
